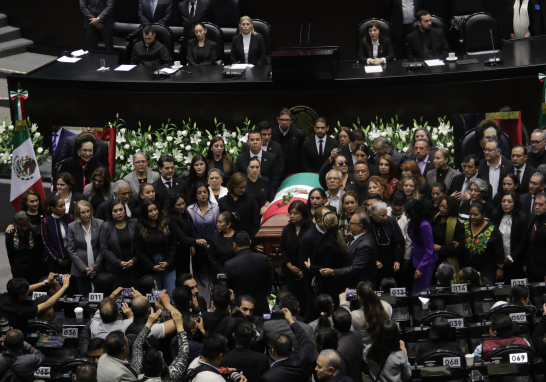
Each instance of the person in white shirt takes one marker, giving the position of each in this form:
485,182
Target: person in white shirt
334,180
108,318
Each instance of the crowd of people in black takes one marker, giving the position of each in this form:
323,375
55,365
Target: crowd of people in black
187,291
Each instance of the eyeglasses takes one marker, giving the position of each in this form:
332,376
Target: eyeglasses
342,163
490,137
537,142
87,151
140,162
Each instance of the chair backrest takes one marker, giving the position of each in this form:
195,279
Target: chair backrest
436,358
164,35
215,34
468,144
225,13
264,29
70,365
476,31
437,23
122,30
362,29
466,7
503,352
427,320
40,326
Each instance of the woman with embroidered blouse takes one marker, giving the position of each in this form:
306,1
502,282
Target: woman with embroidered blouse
484,245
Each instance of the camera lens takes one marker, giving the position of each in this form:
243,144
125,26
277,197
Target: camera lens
236,376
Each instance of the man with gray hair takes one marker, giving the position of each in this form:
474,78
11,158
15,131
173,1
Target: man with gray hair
444,275
381,147
328,367
538,144
542,168
122,191
389,240
24,247
141,174
335,193
492,165
536,186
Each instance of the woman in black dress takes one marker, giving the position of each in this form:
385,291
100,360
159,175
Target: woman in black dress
175,211
197,173
375,48
100,188
477,189
244,204
155,243
31,203
511,222
259,186
299,222
438,193
221,245
509,183
201,51
82,165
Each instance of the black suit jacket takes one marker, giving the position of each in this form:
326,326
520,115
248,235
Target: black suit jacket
535,259
310,159
523,187
394,9
251,363
270,167
103,213
76,197
440,49
272,148
361,262
291,147
350,347
64,134
161,193
249,273
160,15
526,203
296,367
210,51
103,9
202,10
457,186
100,154
385,50
506,167
256,50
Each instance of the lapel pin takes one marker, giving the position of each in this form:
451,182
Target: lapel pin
265,159
177,184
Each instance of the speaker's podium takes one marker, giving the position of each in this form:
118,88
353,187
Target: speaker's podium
296,64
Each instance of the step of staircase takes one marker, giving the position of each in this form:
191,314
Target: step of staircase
4,100
9,33
12,47
3,20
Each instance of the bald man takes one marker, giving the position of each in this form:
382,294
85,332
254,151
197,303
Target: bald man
24,360
328,367
141,310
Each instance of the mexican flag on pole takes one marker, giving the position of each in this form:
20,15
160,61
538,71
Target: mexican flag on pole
25,174
542,117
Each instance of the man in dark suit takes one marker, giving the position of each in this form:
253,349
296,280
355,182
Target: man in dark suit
290,367
154,11
220,320
381,147
167,184
459,187
361,254
425,161
356,138
329,367
199,305
249,273
493,164
98,21
318,148
59,136
274,327
149,51
193,12
427,43
290,138
122,191
268,145
535,261
538,148
251,363
536,186
360,187
245,310
100,154
270,168
521,169
402,14
350,345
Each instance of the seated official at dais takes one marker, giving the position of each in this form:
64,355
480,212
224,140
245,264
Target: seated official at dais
375,48
149,51
201,50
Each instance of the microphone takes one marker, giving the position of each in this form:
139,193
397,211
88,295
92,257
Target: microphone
301,31
493,61
308,34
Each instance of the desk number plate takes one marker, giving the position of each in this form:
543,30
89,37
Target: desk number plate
43,372
519,282
518,358
150,298
518,317
95,297
398,291
70,332
452,361
35,295
457,323
459,288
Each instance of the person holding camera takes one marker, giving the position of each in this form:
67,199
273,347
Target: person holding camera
142,311
108,318
207,367
19,360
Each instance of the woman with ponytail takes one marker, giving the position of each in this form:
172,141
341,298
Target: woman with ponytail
469,275
332,251
325,306
519,295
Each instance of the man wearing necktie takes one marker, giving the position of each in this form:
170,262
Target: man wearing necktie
98,21
154,11
536,186
193,12
535,261
167,183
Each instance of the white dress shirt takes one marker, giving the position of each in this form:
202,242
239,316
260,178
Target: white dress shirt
87,236
189,7
317,140
408,11
375,52
264,147
494,175
505,228
166,182
336,202
259,156
246,45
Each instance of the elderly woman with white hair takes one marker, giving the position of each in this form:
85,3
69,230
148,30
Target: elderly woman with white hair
477,189
389,240
334,193
216,189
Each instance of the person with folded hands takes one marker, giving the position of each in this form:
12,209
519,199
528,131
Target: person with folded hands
375,49
201,51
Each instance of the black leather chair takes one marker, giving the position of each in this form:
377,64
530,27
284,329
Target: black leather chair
362,29
121,32
215,34
436,358
226,14
163,34
178,34
437,23
527,326
43,327
468,144
70,366
460,9
477,36
264,29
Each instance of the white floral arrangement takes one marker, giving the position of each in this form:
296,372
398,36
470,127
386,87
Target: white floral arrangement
6,143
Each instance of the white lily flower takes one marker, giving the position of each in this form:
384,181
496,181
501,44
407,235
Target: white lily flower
157,154
435,136
188,148
10,127
405,149
40,150
33,128
185,133
122,131
169,139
